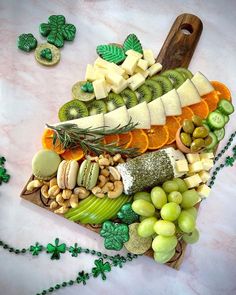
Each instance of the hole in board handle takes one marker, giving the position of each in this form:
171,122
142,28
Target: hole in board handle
186,29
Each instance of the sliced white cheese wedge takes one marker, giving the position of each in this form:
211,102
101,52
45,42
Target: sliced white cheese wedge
117,117
140,114
202,84
188,94
157,112
171,103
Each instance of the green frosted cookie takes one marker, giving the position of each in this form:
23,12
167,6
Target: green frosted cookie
47,54
26,42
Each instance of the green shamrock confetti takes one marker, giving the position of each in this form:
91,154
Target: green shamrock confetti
46,53
100,268
75,250
115,235
127,215
4,177
56,30
2,160
36,249
56,249
87,87
111,53
26,42
82,277
229,161
132,42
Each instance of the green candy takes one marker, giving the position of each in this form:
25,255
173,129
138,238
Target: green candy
46,53
87,87
114,234
127,215
111,53
26,42
57,31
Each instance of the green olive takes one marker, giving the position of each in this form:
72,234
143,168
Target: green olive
197,121
188,126
200,132
208,140
185,138
197,144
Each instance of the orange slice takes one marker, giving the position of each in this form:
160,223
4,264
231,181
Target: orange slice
73,154
125,139
222,90
157,137
112,138
139,140
201,109
212,100
47,142
187,113
172,125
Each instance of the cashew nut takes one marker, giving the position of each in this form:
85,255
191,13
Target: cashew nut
107,156
92,158
34,184
66,204
52,182
103,162
66,194
97,191
114,172
105,172
74,202
117,157
61,210
102,180
111,178
54,191
60,199
109,186
81,192
53,205
118,190
44,191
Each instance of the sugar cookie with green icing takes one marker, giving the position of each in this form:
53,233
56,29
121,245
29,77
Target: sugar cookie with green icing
26,42
47,54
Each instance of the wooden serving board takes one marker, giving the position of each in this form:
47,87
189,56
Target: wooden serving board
176,51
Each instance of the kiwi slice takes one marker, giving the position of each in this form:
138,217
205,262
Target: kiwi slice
129,97
144,93
166,84
175,77
78,93
73,109
155,87
97,107
114,101
185,72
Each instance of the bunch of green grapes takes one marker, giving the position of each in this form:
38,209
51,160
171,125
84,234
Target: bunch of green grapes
165,213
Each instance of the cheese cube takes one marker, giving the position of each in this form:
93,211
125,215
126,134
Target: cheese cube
121,87
134,53
100,73
193,181
114,79
125,76
204,190
196,167
102,63
136,81
100,89
90,73
149,56
108,87
205,176
181,165
143,64
207,164
130,64
144,73
206,156
117,69
193,158
154,69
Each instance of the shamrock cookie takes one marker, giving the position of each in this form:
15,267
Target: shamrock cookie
47,54
26,42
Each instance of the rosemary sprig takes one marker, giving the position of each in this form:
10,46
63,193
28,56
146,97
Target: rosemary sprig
90,139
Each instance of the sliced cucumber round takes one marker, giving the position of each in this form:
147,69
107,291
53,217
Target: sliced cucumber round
214,141
220,133
225,107
216,120
226,119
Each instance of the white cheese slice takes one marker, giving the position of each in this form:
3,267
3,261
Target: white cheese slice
117,117
171,103
117,69
134,53
143,64
100,89
203,190
193,181
140,114
157,67
202,84
149,56
121,87
207,164
188,94
182,166
206,156
196,167
142,72
102,63
205,176
193,158
157,112
136,81
114,78
130,64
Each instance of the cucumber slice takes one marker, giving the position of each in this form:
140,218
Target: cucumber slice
225,107
216,120
214,141
226,119
220,134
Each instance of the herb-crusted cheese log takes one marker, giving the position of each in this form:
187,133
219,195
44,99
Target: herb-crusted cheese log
149,170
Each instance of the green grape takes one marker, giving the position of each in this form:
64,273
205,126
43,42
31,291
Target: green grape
163,257
170,211
170,186
142,196
145,228
190,198
164,244
175,197
186,222
164,228
182,187
143,208
156,214
192,211
158,197
191,238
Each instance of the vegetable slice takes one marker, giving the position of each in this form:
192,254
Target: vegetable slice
225,107
216,120
220,133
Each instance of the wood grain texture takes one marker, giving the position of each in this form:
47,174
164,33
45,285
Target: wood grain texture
176,51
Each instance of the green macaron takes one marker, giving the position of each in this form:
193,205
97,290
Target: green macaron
45,164
88,174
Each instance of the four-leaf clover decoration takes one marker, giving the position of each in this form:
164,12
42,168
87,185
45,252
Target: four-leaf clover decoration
4,177
36,249
82,277
56,249
115,235
229,161
100,268
127,215
75,250
57,30
26,42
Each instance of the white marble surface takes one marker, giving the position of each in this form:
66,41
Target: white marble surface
30,96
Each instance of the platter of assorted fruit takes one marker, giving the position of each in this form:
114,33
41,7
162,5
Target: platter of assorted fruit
131,155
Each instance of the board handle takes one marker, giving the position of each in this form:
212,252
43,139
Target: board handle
181,42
